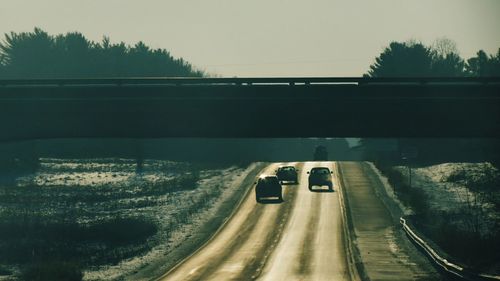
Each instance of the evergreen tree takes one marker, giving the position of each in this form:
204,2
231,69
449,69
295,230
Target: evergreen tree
403,60
39,55
449,65
483,65
440,60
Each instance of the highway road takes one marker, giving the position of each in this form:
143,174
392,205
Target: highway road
298,239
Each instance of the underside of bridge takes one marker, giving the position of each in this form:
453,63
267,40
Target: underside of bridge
249,108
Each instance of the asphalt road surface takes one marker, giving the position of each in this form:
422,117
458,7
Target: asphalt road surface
298,239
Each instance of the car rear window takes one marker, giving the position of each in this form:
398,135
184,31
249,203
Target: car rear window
271,180
320,171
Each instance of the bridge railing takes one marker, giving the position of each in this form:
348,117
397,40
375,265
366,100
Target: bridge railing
181,81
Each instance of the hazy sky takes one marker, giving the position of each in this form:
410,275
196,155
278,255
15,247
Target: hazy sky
267,37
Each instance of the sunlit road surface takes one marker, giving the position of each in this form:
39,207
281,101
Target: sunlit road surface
299,239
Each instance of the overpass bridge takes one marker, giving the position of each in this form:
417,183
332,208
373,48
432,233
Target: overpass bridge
249,107
354,230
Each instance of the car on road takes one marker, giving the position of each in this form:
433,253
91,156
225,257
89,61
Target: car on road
268,186
288,174
320,176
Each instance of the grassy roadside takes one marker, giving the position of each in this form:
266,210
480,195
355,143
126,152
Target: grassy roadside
77,217
457,232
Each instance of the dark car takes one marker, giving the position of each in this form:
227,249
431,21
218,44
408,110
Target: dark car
268,186
288,174
320,176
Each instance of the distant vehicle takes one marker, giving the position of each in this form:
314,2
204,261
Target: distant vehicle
320,176
287,173
268,186
320,153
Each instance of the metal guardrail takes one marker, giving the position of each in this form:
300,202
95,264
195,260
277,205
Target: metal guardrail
182,81
444,264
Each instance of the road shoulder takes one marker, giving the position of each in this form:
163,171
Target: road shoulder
383,250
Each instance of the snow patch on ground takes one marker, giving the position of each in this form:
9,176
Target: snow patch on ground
449,196
98,172
90,190
227,181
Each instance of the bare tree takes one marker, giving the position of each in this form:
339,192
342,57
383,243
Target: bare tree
444,46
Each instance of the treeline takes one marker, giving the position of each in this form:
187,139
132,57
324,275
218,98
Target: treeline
441,59
40,55
413,59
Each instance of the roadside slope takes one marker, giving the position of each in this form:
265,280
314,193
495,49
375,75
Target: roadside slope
379,240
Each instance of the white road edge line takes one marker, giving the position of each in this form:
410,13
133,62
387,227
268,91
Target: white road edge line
348,242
